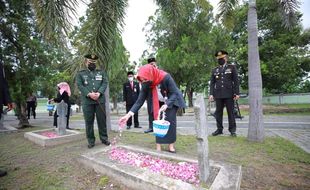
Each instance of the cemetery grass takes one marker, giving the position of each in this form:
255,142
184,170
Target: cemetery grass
274,164
31,166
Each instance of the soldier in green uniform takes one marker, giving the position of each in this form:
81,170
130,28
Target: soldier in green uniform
92,83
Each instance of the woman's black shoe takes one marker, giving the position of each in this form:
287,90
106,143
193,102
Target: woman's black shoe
148,131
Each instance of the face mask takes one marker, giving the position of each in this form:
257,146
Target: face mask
221,61
130,79
91,66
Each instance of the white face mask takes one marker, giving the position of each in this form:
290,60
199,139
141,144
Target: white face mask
130,78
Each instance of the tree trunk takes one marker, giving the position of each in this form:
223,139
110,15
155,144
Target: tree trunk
22,115
256,128
114,98
107,108
190,92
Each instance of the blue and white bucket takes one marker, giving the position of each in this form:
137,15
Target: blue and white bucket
50,107
161,127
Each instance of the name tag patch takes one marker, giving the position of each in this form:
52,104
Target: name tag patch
98,77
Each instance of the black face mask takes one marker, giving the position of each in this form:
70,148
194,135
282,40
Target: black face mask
221,61
91,66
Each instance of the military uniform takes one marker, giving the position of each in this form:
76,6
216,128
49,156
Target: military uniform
93,81
224,85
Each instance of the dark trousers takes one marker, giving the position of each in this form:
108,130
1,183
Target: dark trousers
89,111
56,116
31,107
135,117
229,103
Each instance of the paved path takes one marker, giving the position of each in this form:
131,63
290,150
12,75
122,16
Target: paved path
294,128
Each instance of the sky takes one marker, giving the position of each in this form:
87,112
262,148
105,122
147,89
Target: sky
138,12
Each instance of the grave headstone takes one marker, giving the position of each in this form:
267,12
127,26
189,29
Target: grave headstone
62,108
202,138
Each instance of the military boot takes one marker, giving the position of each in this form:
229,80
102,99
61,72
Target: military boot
217,132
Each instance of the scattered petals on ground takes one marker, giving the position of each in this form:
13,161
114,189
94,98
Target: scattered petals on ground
184,171
49,134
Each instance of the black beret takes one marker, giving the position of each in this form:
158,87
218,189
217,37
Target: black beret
130,73
91,56
220,54
150,60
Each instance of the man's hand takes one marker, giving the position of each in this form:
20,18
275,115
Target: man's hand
94,95
236,97
211,98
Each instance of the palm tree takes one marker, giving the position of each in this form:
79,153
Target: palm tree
288,9
106,21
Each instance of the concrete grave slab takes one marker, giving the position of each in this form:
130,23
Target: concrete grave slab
227,178
36,137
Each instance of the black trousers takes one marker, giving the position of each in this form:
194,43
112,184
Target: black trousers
136,117
220,104
31,107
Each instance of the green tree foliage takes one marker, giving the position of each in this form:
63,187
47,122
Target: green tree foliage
186,48
27,58
115,65
284,53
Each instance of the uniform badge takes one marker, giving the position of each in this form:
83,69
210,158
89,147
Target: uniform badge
135,90
228,71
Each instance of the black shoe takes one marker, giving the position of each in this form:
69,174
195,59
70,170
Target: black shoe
233,134
148,131
128,127
3,173
138,126
172,151
217,132
69,128
106,142
90,145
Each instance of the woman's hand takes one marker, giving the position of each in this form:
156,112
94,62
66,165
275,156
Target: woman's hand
163,108
124,119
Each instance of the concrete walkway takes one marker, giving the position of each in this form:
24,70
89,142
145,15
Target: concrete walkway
293,128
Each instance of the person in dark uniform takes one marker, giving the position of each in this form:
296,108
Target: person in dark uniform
92,83
31,105
5,99
64,94
224,89
131,90
152,78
